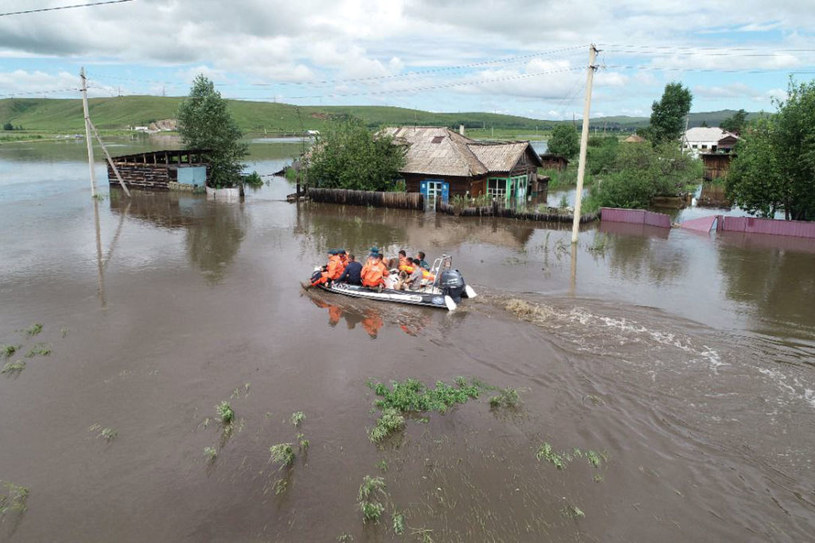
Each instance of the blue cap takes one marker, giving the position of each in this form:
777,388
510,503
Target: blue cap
374,250
332,251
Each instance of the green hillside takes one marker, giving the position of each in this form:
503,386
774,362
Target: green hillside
62,115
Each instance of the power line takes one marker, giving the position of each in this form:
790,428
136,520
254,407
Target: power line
40,10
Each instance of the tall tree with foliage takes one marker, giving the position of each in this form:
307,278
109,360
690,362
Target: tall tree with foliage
668,115
350,156
735,123
774,169
565,141
205,123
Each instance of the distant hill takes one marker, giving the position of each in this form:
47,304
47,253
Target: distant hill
266,117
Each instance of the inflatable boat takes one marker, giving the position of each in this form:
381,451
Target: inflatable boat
446,290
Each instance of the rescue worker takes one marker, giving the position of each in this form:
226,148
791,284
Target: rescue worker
373,275
351,273
330,273
422,261
403,259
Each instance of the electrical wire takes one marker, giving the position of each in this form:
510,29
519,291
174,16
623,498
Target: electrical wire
56,8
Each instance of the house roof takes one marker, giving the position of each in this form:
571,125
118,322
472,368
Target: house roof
707,133
441,151
436,150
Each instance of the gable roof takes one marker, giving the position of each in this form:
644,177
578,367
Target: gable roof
441,151
707,133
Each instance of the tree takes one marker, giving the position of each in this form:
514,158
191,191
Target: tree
735,123
774,168
205,123
8,126
668,115
564,141
349,156
641,172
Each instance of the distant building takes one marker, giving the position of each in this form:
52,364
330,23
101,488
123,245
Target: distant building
634,138
554,162
441,163
703,139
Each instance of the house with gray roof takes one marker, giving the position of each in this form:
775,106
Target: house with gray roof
440,163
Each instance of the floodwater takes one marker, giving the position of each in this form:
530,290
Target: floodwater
684,360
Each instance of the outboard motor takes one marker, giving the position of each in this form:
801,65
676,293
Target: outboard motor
452,284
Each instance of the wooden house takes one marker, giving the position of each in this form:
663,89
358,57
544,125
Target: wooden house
554,162
162,170
441,163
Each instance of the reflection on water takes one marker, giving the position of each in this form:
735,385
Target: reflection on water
213,231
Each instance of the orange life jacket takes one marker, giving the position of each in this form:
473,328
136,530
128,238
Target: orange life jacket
373,275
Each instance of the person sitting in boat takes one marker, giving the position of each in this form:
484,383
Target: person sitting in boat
420,255
410,280
374,274
351,273
403,259
331,272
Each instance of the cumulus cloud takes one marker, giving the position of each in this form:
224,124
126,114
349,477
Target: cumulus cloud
372,50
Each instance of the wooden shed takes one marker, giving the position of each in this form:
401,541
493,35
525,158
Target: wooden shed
441,163
554,162
716,165
162,170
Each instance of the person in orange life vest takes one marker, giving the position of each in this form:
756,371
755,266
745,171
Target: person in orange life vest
330,272
374,275
403,259
342,261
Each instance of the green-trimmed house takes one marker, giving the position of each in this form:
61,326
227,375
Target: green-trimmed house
441,163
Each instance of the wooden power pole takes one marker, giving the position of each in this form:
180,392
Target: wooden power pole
88,131
584,140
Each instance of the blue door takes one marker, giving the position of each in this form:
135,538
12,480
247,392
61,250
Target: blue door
433,191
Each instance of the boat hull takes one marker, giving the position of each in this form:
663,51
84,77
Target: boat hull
389,295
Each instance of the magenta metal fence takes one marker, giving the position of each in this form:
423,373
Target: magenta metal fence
752,225
635,216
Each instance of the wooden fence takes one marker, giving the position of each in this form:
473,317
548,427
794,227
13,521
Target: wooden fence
398,200
509,213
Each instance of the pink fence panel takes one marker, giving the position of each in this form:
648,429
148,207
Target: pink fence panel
635,216
773,227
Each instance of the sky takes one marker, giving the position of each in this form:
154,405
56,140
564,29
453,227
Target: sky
518,57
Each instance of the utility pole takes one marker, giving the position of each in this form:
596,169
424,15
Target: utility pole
584,140
88,130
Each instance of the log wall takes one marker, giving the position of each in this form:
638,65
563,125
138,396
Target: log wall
142,176
398,200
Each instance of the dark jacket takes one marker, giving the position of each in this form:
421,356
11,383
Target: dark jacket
351,274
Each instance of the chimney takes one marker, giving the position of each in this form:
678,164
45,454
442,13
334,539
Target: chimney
461,129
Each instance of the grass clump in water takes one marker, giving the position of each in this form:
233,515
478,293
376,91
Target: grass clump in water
302,442
297,417
389,422
545,452
14,498
108,434
572,511
210,453
34,329
282,454
370,492
398,521
40,349
506,397
7,351
414,397
13,368
225,412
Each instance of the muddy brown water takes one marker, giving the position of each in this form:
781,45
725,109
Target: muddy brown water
685,360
